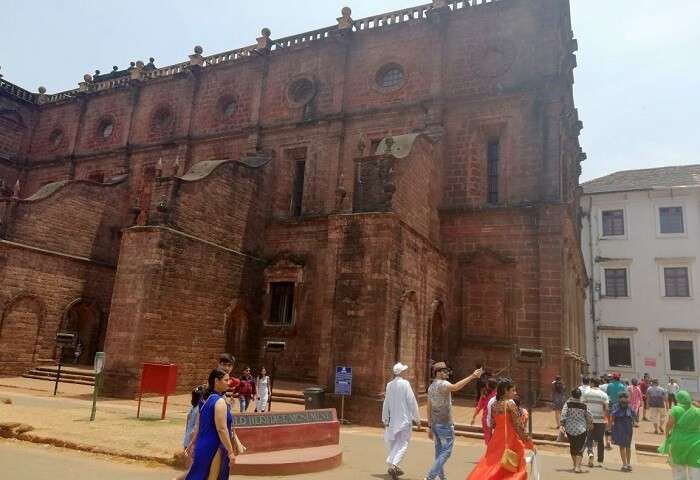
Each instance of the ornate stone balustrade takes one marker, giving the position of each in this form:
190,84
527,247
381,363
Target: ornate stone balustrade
413,14
16,91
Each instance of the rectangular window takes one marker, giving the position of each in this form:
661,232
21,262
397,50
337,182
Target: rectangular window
620,352
682,355
613,223
282,303
298,190
671,220
492,160
676,282
615,282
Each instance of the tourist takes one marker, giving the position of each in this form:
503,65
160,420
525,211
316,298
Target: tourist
440,424
262,389
585,384
211,439
481,407
636,399
505,453
614,389
575,422
196,401
682,442
644,386
246,389
673,389
558,399
596,402
622,423
226,364
399,412
658,404
481,381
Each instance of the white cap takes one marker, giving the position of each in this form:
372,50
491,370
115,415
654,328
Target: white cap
399,368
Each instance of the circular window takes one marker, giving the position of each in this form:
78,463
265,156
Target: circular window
56,138
228,106
301,91
390,76
106,128
163,119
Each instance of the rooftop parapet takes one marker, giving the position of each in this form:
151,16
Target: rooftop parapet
345,23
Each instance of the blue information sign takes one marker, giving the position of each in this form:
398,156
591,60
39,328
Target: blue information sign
343,380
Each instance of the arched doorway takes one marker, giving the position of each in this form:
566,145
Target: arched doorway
84,319
20,325
236,331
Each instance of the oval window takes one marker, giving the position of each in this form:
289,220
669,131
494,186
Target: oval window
106,128
56,138
301,91
390,76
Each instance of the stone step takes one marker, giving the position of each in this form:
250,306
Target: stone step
64,374
77,371
53,379
290,462
288,399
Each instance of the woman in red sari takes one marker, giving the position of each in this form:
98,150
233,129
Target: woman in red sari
508,433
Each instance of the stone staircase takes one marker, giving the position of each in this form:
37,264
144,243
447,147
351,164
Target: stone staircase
69,374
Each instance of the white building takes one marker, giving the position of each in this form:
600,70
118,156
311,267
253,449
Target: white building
641,241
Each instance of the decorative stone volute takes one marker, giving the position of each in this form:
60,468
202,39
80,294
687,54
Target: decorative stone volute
196,59
264,42
87,82
345,20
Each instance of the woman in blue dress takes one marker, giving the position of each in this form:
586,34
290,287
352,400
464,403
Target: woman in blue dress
211,439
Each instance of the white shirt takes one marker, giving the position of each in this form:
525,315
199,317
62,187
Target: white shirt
596,400
604,387
489,408
400,407
584,388
673,388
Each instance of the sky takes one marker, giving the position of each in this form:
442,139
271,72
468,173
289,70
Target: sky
637,85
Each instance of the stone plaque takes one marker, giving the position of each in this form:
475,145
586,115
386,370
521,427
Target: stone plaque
285,418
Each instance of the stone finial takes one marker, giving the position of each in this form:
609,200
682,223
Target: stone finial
84,86
159,167
345,20
361,145
176,166
16,190
196,59
151,64
42,95
97,72
264,42
136,70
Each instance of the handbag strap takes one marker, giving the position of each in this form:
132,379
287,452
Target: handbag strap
505,422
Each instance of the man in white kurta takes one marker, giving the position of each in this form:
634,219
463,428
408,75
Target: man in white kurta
399,412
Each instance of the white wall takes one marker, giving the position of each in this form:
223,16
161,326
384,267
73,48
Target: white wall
647,317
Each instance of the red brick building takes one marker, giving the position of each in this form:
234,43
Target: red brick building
401,186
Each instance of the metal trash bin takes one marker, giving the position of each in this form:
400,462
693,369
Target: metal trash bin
314,398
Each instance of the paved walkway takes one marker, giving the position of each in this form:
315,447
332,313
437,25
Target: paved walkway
363,459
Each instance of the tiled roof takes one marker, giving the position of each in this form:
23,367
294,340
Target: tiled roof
646,179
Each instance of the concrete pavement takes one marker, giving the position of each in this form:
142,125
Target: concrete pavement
363,459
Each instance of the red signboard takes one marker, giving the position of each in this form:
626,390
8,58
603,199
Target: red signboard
159,378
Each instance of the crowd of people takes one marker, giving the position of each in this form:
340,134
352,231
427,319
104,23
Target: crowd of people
210,443
503,423
606,411
601,411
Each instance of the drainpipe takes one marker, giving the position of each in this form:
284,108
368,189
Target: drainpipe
591,284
